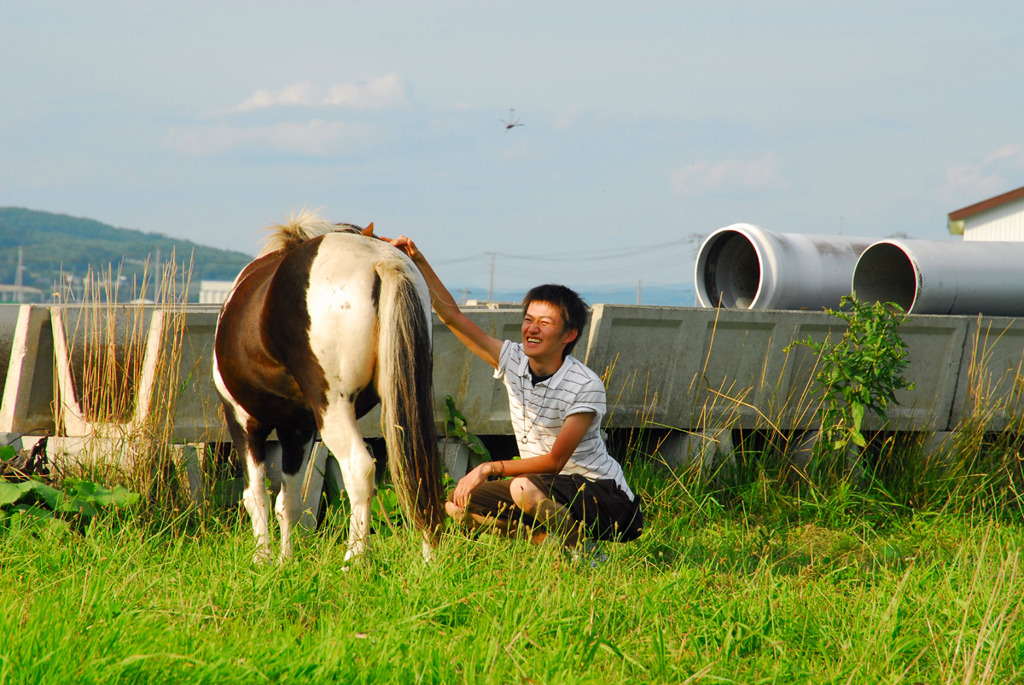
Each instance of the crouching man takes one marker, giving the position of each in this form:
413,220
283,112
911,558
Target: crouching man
565,482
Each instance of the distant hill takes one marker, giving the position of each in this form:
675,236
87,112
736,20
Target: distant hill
53,244
56,244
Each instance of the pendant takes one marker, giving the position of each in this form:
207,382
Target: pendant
523,439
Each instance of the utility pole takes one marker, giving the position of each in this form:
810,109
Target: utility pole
19,280
638,289
490,288
158,277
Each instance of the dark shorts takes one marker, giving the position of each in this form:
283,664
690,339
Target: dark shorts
606,511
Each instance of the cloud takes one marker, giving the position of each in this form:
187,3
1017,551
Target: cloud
987,177
316,138
384,92
704,177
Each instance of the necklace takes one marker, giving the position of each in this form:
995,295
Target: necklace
527,429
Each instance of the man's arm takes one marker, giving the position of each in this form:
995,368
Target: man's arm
471,335
569,437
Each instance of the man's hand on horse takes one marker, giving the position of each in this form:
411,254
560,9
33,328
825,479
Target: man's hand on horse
405,244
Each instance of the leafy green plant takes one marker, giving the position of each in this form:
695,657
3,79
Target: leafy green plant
860,372
455,427
41,505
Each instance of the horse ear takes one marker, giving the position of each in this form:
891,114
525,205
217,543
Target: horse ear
368,231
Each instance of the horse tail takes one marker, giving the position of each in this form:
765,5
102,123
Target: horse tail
405,386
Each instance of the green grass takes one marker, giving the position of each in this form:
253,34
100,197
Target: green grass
747,584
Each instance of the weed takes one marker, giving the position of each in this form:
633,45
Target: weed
860,372
455,426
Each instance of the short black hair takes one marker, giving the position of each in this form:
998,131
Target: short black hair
569,304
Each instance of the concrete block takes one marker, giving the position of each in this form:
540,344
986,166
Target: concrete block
934,348
939,447
9,315
185,337
191,462
461,374
458,459
470,381
935,351
28,386
11,440
990,381
800,452
70,415
712,450
665,367
651,358
685,368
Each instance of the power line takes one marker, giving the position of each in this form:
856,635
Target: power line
589,255
660,263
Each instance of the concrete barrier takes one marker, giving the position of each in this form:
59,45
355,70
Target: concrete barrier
8,328
990,379
935,348
694,369
189,341
28,388
698,370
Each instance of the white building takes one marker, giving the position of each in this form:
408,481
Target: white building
20,293
214,292
997,218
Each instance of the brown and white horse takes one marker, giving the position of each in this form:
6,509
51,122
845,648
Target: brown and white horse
322,325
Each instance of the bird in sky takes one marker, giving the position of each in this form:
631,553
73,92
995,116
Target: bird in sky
512,121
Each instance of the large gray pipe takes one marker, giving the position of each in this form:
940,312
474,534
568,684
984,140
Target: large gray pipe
943,277
743,266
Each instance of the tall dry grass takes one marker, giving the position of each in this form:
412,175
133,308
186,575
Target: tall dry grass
115,412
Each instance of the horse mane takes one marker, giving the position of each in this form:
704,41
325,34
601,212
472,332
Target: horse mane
299,228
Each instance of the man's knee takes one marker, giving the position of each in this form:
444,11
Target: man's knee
525,494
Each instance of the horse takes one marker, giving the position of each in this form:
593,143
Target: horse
323,324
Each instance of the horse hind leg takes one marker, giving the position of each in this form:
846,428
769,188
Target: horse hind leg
290,504
257,502
250,444
341,435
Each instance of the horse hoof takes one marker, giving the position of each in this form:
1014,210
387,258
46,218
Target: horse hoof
354,553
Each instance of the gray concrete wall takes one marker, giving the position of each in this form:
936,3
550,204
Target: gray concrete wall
681,368
694,368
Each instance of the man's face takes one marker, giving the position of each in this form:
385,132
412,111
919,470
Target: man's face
544,333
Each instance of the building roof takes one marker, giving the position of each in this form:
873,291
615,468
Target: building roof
985,205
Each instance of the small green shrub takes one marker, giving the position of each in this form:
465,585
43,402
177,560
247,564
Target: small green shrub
860,372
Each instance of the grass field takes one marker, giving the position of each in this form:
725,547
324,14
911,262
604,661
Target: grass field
747,584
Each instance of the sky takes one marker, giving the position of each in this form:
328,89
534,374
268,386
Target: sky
644,126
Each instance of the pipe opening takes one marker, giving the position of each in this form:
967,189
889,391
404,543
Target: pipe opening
885,273
732,272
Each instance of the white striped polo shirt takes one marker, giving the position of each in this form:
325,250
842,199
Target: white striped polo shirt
538,413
